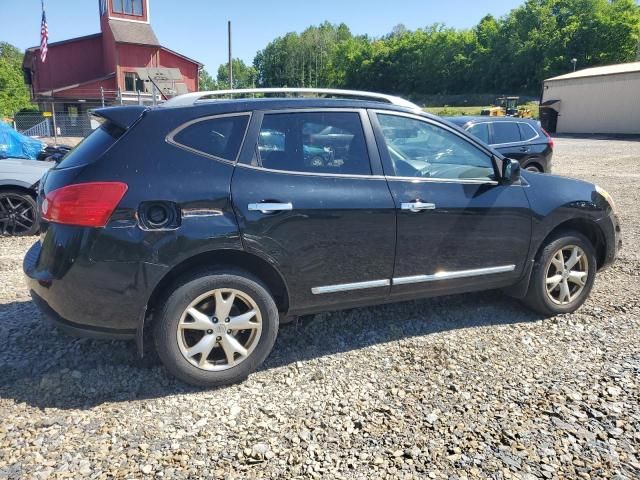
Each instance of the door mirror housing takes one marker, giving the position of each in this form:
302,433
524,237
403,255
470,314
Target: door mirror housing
510,170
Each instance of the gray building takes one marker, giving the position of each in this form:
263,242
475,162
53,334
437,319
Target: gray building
593,100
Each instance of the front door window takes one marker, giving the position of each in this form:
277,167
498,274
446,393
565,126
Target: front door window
423,150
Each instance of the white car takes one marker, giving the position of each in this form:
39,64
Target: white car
19,179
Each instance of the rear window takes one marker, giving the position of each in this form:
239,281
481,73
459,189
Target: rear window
505,132
219,137
92,147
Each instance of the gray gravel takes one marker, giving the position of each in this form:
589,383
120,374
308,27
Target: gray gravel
458,387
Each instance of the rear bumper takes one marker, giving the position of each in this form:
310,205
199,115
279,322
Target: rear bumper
87,298
77,330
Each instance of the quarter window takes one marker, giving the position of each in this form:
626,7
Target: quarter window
480,131
423,150
505,132
218,137
315,142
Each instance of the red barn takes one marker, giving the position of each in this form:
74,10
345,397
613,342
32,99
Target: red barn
124,63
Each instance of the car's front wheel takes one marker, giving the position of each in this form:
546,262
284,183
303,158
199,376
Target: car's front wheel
216,327
18,213
563,274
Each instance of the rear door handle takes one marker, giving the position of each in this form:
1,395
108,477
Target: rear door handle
417,206
524,149
270,207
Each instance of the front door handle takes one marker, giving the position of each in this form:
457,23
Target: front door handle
524,149
268,207
417,206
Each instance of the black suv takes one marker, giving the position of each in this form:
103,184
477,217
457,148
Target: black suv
518,138
206,222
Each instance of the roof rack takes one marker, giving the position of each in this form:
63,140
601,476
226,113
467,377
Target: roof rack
189,99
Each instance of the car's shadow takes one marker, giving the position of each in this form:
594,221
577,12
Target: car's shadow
44,368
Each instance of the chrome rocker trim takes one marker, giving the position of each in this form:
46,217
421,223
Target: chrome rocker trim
344,287
450,275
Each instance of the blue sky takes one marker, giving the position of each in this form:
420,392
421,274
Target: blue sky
197,28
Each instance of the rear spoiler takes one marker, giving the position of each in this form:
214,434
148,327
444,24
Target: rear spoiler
123,117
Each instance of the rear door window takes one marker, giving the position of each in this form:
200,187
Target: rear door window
505,132
219,137
313,142
527,132
480,131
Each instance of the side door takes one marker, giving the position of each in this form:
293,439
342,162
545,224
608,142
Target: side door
317,206
459,228
507,140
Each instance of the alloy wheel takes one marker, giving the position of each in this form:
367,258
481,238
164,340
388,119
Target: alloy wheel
219,329
566,274
17,215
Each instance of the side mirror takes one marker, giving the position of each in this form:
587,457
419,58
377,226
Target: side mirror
510,170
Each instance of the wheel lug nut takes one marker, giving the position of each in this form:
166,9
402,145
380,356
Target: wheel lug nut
209,331
215,320
219,338
228,331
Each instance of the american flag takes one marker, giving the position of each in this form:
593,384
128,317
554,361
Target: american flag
44,36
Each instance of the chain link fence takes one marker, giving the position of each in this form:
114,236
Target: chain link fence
69,129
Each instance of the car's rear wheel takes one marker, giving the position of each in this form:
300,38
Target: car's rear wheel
563,274
18,213
216,328
533,168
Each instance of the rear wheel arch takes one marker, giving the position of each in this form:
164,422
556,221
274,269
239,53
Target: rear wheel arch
534,162
229,259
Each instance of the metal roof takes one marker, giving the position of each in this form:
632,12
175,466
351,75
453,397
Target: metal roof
600,71
133,32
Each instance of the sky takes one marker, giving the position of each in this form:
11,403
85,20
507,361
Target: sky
198,28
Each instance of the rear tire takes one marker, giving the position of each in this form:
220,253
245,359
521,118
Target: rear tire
233,346
533,168
563,274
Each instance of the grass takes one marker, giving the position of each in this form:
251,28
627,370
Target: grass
448,111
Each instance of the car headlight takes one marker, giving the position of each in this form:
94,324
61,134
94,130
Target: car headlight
608,198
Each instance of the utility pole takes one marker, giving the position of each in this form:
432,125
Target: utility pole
230,57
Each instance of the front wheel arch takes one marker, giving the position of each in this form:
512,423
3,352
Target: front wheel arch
586,227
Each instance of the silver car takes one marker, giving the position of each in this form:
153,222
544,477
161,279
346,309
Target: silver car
19,180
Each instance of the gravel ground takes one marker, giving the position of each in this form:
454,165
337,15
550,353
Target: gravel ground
458,387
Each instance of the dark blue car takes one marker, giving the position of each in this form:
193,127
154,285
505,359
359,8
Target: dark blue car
180,222
519,138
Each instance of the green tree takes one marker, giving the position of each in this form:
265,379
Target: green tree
244,76
14,94
206,82
514,53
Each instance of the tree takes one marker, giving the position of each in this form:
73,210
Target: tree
514,53
206,82
14,94
243,76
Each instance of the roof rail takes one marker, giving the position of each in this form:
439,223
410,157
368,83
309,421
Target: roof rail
189,99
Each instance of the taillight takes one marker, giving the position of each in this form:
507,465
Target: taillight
84,204
549,139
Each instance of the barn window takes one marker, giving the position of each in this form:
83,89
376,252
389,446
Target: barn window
128,7
132,82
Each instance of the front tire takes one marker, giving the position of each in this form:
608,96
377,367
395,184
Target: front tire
216,327
563,274
18,214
